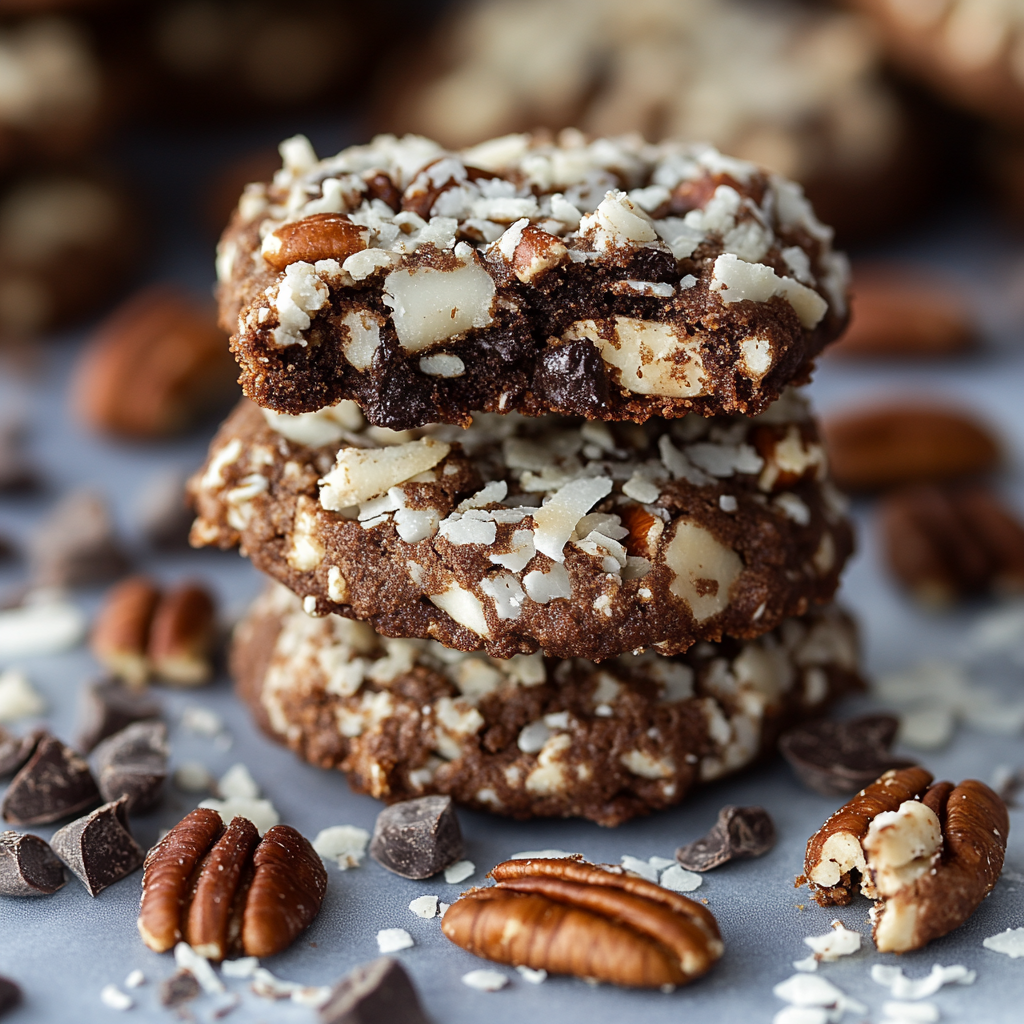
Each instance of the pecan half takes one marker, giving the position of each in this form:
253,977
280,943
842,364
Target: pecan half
121,631
182,636
927,854
224,890
321,236
569,917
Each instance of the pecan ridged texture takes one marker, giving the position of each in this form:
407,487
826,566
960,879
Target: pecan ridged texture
225,891
570,917
928,854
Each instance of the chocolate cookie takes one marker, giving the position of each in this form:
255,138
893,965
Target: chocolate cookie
650,535
608,278
532,736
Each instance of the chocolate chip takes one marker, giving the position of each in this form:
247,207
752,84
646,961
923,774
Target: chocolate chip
179,988
417,838
99,848
16,750
28,867
572,374
838,758
76,545
55,783
739,833
380,992
133,763
10,995
109,706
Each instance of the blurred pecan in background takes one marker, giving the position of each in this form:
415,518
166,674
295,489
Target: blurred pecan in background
569,917
155,367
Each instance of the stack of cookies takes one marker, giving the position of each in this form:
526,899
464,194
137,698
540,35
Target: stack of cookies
549,519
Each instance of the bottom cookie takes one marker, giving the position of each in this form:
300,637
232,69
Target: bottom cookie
531,736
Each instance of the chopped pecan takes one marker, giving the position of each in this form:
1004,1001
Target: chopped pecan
322,236
927,854
536,252
228,891
891,445
640,540
182,636
121,632
945,543
570,917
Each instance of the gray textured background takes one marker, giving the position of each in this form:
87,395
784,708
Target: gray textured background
65,948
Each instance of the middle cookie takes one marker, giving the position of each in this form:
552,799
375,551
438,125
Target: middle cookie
582,538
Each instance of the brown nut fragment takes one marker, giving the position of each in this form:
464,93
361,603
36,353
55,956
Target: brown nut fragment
946,543
644,529
180,987
121,631
322,236
898,312
227,891
890,445
838,758
168,874
154,367
569,917
927,854
287,890
739,833
182,636
536,252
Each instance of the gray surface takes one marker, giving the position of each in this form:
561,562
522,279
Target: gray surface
64,949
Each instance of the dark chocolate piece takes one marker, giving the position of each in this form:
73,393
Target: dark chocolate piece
28,867
417,838
10,995
16,750
55,783
133,763
380,992
838,758
76,545
740,833
109,706
179,988
164,516
99,848
17,475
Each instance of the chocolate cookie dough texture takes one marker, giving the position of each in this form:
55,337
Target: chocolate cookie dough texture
797,89
531,736
654,535
607,278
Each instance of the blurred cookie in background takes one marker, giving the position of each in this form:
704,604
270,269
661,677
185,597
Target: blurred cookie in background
67,241
797,89
970,51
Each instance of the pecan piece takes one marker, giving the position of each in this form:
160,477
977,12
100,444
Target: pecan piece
927,854
121,632
321,236
182,636
226,890
569,917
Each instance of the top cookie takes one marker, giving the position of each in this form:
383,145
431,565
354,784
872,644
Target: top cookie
610,278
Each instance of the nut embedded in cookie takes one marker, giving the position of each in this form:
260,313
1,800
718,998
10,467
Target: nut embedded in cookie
926,853
591,921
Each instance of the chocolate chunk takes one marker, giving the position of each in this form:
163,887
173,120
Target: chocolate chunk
739,833
10,995
28,867
16,750
55,783
417,838
17,475
99,848
8,549
109,706
837,758
76,545
133,764
380,992
164,516
179,988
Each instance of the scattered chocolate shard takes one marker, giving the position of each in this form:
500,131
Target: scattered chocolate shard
16,750
54,783
107,707
380,992
10,995
164,516
417,838
17,475
133,763
739,834
839,758
99,848
28,867
76,544
180,987
8,549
